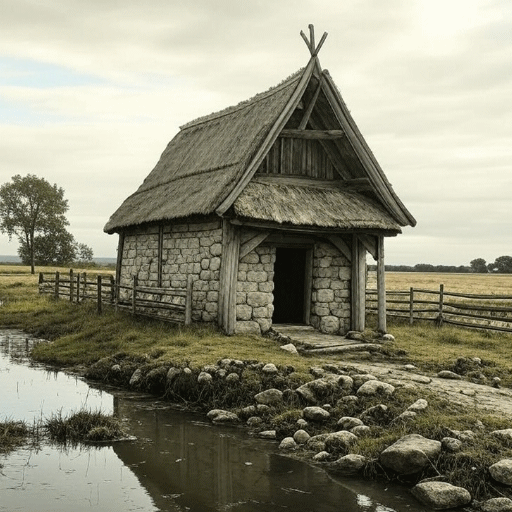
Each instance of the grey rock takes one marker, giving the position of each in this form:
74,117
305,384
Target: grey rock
502,471
302,423
262,409
496,505
450,444
315,414
269,368
378,414
406,417
361,430
254,421
447,374
339,440
349,399
410,454
222,416
409,367
360,378
348,422
349,464
248,411
288,443
136,377
301,436
441,495
419,406
116,368
388,337
505,434
374,387
289,347
321,456
267,434
462,435
204,378
232,377
495,382
269,397
317,443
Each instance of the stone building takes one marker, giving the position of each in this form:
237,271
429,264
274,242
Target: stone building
270,206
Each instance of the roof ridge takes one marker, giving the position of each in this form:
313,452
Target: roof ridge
245,103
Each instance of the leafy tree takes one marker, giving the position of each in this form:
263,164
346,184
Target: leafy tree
501,265
84,253
478,266
55,248
34,211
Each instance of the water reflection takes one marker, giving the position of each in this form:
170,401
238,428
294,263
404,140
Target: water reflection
178,463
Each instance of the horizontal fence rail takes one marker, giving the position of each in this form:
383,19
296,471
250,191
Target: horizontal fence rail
478,311
169,304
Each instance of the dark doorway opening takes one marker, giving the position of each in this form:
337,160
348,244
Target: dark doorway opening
289,277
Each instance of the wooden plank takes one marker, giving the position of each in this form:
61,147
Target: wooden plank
307,114
381,287
341,245
358,285
271,137
120,249
98,298
252,243
312,134
370,243
228,276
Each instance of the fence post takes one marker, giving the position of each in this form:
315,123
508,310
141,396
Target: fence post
411,306
78,288
134,294
71,285
439,320
84,287
41,279
57,282
112,290
188,300
99,294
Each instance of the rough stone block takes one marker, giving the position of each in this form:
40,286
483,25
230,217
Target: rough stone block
248,327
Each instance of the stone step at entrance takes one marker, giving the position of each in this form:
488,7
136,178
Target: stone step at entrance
310,341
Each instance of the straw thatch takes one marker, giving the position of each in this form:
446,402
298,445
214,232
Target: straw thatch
312,205
208,167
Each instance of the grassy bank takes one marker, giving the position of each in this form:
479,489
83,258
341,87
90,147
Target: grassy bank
98,344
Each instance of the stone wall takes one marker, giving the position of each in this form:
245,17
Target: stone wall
189,248
255,285
330,298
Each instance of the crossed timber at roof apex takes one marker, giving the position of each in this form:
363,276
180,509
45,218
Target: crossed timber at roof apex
311,41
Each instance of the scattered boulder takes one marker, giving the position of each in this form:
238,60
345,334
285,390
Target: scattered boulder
288,443
504,435
136,378
496,505
321,456
315,414
301,436
349,464
348,423
269,397
317,443
447,374
222,416
450,444
339,441
268,434
361,430
441,495
204,378
502,471
232,377
410,454
375,387
378,414
290,347
419,406
254,421
270,369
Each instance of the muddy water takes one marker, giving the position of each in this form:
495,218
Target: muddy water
178,462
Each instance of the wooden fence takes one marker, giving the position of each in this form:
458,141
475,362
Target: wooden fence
169,304
489,312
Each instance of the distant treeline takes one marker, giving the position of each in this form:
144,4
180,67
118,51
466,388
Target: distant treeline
425,267
501,265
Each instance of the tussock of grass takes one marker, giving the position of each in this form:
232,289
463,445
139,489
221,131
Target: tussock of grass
12,435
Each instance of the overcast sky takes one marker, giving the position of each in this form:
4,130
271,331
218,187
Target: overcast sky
91,92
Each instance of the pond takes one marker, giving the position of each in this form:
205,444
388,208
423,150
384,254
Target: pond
178,461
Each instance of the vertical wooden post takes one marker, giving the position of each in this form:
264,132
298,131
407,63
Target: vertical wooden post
411,306
78,288
99,294
381,287
441,305
41,279
120,249
112,290
71,285
308,286
134,294
160,254
358,285
228,276
188,300
84,287
57,282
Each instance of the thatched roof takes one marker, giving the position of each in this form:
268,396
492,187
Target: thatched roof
312,205
210,163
